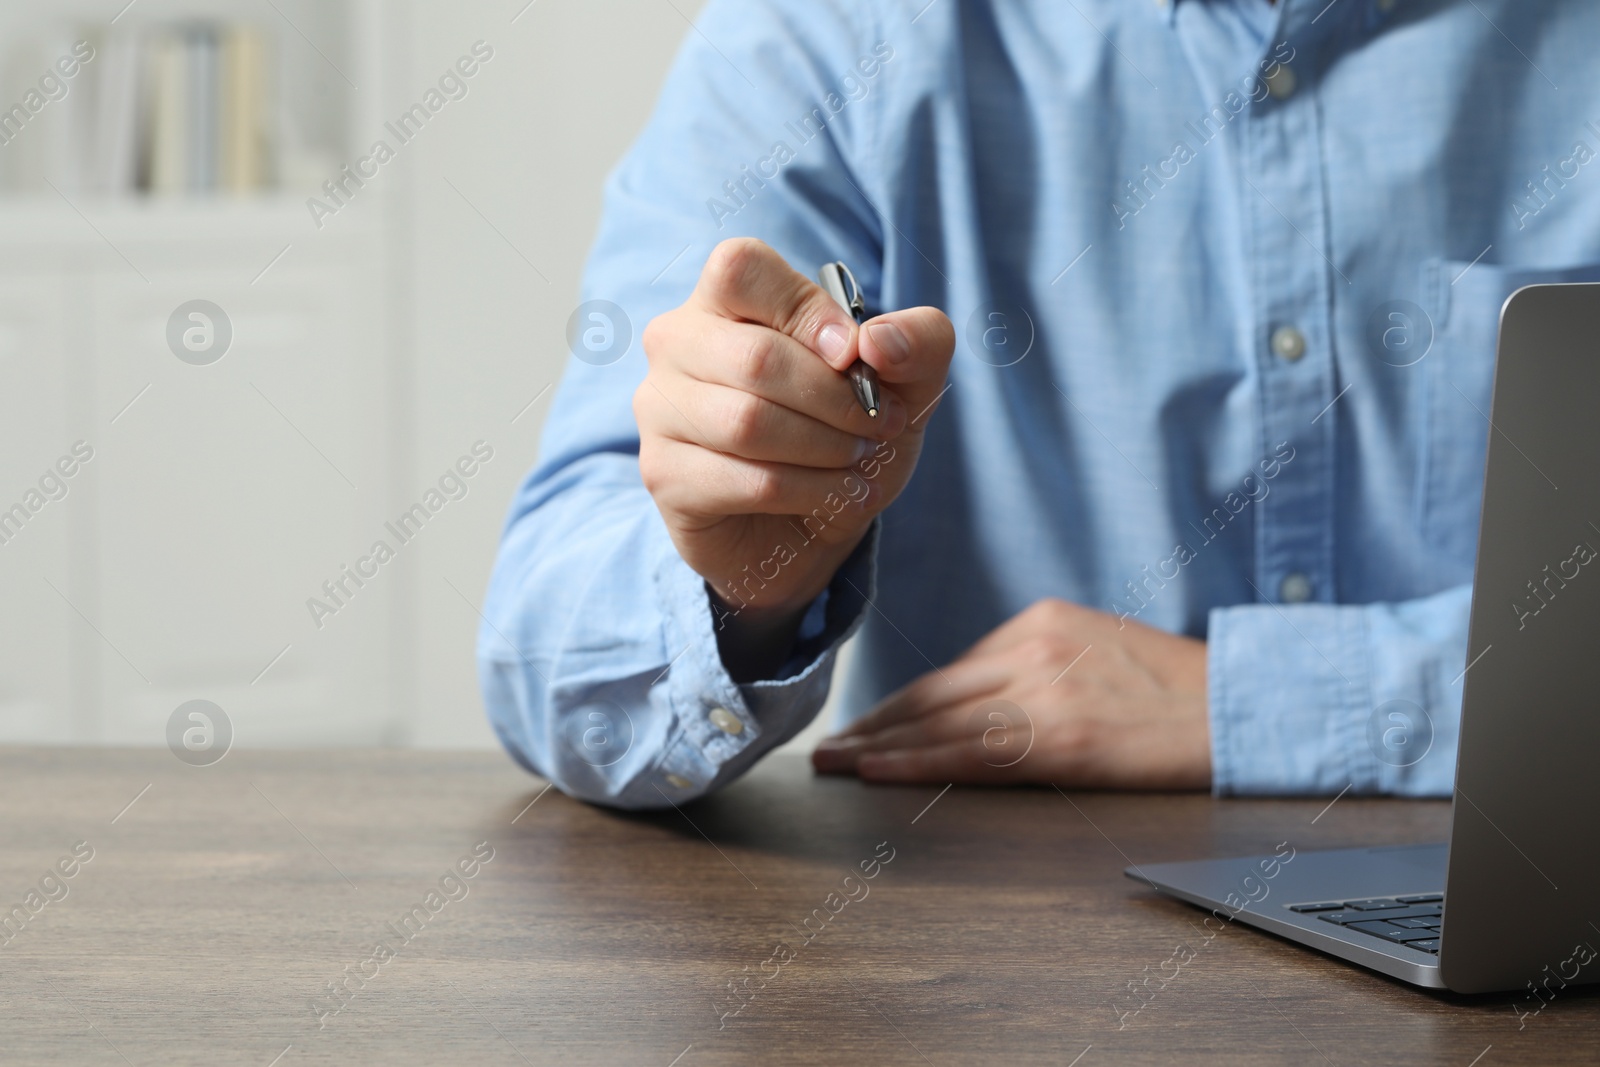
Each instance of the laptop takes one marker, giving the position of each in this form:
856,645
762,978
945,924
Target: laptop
1512,900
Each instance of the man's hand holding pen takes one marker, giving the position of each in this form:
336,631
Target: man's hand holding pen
749,421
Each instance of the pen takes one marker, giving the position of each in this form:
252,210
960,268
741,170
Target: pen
841,285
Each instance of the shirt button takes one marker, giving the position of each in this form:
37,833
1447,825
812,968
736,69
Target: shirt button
726,721
1281,83
1296,589
677,781
1288,343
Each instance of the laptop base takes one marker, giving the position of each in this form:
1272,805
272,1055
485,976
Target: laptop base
1259,890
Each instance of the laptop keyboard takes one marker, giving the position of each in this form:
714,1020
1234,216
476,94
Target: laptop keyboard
1410,921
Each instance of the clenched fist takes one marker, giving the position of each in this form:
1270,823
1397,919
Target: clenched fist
765,468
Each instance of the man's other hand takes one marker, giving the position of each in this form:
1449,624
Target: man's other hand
1060,694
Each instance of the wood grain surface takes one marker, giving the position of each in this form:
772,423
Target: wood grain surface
218,908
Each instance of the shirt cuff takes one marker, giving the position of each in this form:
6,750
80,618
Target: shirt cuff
1321,698
722,727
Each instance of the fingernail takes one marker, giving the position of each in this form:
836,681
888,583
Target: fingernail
834,340
831,763
833,744
863,446
890,340
831,760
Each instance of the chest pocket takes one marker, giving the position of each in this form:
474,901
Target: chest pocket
1466,301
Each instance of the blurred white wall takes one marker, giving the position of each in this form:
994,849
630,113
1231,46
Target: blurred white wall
367,358
570,87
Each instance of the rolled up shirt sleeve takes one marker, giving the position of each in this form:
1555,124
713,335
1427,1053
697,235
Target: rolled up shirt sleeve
1320,698
614,688
598,657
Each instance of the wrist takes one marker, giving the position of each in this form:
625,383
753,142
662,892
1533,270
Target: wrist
759,616
754,644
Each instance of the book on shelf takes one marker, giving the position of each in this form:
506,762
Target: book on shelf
112,139
167,156
178,109
243,118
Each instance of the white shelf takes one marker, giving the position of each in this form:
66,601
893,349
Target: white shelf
49,220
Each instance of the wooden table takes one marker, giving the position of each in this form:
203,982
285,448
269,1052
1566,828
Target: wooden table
221,903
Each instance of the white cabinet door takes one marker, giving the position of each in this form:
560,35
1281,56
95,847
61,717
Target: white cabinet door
47,651
233,490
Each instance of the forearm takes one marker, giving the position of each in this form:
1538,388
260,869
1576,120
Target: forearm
600,662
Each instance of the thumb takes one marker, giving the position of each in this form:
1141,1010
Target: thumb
911,350
746,279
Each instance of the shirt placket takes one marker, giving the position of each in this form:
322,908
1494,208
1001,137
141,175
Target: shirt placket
1294,276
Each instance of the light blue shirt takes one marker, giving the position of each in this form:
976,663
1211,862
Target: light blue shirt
1226,279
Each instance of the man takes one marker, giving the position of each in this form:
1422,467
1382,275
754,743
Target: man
1187,327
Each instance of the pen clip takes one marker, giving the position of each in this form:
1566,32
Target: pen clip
841,285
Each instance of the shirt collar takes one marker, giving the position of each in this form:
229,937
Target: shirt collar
1168,9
